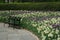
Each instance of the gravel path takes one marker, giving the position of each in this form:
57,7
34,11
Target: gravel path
7,33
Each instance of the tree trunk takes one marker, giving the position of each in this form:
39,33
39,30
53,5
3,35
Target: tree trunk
6,1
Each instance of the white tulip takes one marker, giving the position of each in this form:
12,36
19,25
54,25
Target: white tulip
50,35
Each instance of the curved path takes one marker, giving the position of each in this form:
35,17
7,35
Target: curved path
7,33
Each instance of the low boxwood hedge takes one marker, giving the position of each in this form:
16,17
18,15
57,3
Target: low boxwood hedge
45,6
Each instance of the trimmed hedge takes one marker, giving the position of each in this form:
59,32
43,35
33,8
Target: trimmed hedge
46,6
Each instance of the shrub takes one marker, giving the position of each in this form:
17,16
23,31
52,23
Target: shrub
52,6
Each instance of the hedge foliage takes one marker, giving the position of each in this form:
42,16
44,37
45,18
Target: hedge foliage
52,6
2,1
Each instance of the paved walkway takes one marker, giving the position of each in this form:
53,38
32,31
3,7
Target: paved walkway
15,34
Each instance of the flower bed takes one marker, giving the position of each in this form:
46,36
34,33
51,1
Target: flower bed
46,29
46,25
